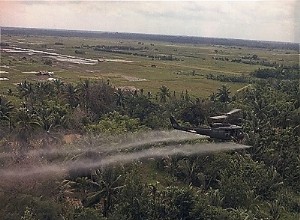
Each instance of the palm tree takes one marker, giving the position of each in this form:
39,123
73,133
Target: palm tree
25,90
223,94
187,96
212,97
6,108
26,121
142,92
188,168
42,91
120,98
47,118
107,183
84,93
51,114
164,93
58,86
71,95
102,188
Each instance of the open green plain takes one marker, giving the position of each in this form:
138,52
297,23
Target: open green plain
187,71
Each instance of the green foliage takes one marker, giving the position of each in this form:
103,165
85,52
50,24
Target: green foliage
48,62
100,99
25,122
52,115
71,94
223,94
6,108
180,203
114,123
194,114
30,207
290,199
88,214
272,127
133,202
100,190
281,72
164,93
262,182
245,179
28,215
229,78
141,107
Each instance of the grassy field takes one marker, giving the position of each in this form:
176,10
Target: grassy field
143,69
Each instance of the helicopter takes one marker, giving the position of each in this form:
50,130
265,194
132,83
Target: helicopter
221,128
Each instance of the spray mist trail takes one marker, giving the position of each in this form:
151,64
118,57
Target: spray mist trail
107,144
62,168
104,145
184,150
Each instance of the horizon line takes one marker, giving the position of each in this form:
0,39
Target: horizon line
153,34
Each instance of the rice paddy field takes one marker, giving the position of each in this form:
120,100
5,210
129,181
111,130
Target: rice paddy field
140,64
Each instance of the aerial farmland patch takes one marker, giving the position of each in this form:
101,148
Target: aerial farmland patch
146,64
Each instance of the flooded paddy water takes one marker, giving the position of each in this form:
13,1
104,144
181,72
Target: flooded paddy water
61,57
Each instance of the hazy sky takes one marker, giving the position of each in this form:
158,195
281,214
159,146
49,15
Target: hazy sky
259,20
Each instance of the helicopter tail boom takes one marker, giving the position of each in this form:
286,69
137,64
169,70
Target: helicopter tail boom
174,123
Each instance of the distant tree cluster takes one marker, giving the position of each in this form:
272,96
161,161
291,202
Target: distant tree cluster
229,78
282,72
128,50
251,60
107,48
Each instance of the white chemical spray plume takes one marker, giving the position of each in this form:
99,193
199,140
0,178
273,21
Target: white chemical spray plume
106,143
137,152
